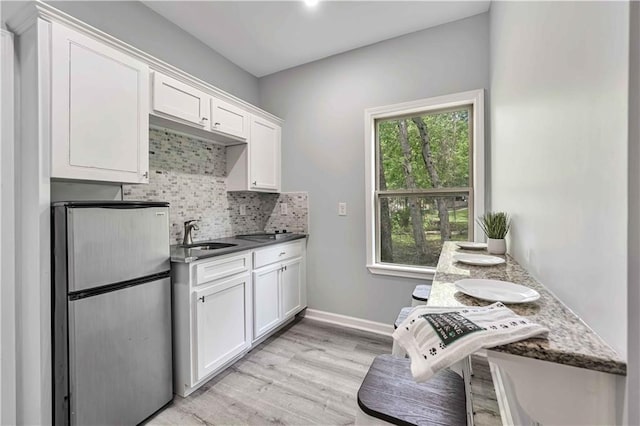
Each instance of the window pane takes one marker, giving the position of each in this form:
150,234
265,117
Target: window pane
413,228
427,151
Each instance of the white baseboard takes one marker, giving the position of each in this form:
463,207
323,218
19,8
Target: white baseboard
350,322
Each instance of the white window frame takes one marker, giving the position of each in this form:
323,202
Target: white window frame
7,232
475,98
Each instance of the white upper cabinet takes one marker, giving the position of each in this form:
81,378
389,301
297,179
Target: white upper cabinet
181,101
229,119
256,166
97,97
99,110
264,155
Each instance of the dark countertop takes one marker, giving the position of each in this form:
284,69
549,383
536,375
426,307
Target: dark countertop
571,341
187,255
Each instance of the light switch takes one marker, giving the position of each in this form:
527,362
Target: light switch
243,210
283,208
342,209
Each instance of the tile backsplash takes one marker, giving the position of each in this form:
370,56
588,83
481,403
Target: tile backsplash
190,174
263,212
297,217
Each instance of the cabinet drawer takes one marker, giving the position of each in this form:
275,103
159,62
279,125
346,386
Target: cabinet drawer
222,267
277,253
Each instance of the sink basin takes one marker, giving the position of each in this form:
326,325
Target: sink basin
209,246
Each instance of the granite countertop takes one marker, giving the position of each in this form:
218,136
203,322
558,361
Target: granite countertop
186,255
570,341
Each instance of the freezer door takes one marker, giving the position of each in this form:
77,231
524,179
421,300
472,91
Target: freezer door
120,354
110,245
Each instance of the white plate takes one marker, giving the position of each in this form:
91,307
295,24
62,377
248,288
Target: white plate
468,245
478,259
497,291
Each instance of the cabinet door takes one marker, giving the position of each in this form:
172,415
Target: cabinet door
229,119
291,281
99,111
222,324
264,155
266,298
180,100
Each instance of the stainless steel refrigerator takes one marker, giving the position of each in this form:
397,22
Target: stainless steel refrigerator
111,311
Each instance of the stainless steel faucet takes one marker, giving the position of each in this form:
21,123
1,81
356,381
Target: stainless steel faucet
189,226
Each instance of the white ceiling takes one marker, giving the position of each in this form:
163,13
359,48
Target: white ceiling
264,37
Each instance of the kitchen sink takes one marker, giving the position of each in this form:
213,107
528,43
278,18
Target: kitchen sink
208,246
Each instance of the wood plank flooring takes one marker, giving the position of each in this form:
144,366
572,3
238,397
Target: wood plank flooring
308,373
486,411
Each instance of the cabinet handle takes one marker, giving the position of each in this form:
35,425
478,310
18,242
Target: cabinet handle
282,253
201,299
205,119
285,268
255,183
146,175
216,124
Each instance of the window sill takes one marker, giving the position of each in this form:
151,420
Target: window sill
402,271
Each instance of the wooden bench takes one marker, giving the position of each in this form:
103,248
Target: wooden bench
420,295
396,349
389,395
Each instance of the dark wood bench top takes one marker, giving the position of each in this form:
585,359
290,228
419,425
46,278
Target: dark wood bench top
404,313
421,292
389,393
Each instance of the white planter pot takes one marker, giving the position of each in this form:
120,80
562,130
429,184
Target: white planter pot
498,246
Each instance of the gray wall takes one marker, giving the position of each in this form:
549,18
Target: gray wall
136,24
559,114
323,106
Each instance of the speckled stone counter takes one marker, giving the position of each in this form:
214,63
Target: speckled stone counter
571,341
187,255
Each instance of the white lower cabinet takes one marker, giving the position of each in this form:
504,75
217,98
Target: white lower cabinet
212,317
222,328
291,287
225,304
279,289
267,301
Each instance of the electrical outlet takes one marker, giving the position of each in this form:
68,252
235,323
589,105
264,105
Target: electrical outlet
342,209
283,208
243,210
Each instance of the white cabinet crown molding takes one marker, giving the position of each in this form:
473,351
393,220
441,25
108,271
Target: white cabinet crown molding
27,16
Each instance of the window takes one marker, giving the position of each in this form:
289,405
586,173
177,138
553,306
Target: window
425,179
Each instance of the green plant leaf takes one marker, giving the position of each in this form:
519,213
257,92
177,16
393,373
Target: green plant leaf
495,225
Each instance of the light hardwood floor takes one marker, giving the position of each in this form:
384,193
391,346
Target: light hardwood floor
308,373
486,411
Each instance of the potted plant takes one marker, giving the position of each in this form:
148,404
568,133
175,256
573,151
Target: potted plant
495,226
